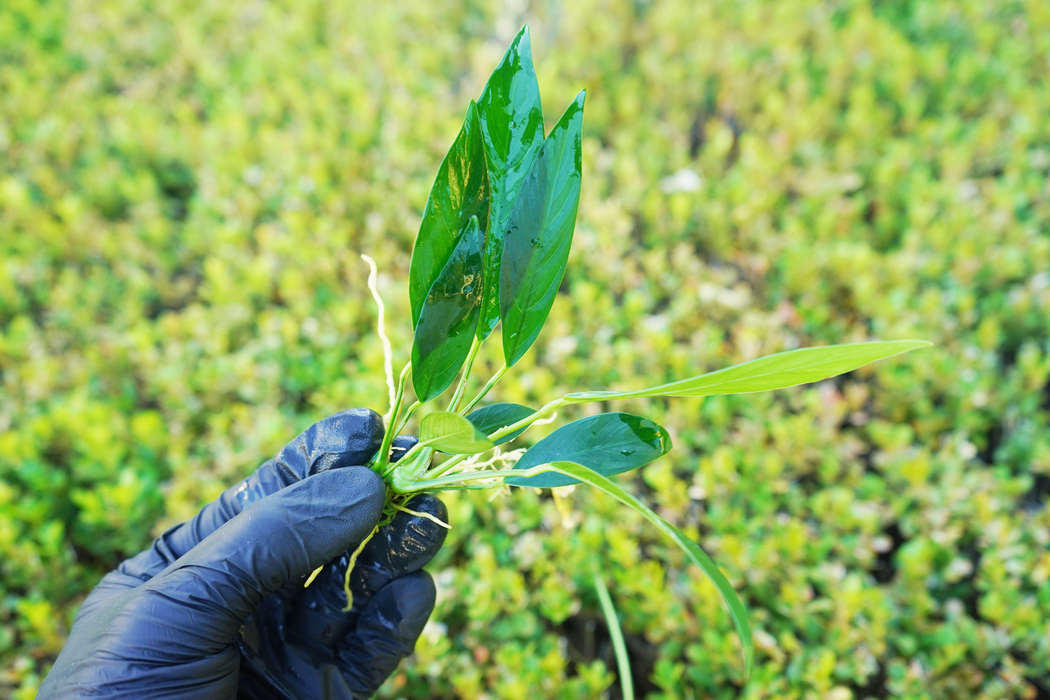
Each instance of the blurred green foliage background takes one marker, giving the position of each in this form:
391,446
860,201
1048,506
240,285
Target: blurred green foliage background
185,188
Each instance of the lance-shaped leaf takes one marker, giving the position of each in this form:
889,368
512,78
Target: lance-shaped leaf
499,415
767,373
539,234
453,434
460,191
698,556
609,443
512,126
449,317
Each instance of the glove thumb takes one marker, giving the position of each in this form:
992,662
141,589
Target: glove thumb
209,592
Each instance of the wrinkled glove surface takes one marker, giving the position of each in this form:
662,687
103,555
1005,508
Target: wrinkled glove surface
216,608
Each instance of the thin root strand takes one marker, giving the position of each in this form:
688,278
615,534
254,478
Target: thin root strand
428,516
350,568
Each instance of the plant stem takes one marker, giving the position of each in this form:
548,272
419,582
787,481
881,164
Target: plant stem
623,663
457,479
383,456
408,414
400,395
443,469
408,456
485,389
528,420
462,386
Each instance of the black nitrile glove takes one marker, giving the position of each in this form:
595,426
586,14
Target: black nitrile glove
216,608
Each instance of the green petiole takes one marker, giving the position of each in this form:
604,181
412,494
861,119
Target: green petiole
461,387
383,456
408,414
485,389
529,420
414,486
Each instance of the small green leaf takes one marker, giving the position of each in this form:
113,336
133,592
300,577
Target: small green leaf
512,126
460,191
767,373
539,234
737,611
610,443
449,317
452,433
499,415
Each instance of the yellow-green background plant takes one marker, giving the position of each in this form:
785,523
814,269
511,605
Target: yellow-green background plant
185,189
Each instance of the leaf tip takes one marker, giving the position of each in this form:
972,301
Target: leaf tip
912,344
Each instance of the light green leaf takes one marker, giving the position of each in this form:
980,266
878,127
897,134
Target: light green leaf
453,434
737,611
768,373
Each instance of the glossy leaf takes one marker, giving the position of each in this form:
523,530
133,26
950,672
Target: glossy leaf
767,373
698,556
449,318
460,191
453,434
539,234
499,415
610,443
512,127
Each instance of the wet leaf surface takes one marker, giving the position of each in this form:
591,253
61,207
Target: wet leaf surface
512,127
539,234
609,443
448,318
460,191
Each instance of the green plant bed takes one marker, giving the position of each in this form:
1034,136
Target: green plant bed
758,177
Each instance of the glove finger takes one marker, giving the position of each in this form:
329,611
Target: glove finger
346,438
202,599
386,632
403,546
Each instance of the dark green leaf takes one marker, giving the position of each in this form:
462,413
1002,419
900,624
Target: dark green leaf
512,126
737,611
539,234
449,317
499,415
452,433
460,191
609,443
767,373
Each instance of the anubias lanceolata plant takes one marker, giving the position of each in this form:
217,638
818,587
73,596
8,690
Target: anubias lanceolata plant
491,252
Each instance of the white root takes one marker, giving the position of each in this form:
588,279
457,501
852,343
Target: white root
388,350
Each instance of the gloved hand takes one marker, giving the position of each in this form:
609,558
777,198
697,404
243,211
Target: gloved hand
216,608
